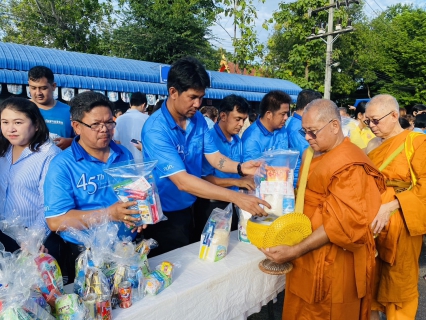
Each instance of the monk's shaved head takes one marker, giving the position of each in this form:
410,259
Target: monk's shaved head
384,102
325,110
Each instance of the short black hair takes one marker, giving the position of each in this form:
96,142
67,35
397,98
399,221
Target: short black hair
31,110
38,72
272,101
232,101
137,99
252,117
188,73
417,108
420,121
305,96
360,108
405,124
84,102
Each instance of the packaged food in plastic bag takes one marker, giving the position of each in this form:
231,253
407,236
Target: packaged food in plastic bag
243,217
30,241
135,182
69,306
215,237
274,181
159,279
143,248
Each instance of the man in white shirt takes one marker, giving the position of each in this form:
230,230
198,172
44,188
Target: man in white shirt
130,124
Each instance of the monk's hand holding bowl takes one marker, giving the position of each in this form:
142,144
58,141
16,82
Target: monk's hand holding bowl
281,254
382,218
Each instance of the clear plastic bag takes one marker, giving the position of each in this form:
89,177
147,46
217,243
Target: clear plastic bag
158,280
30,241
243,217
274,181
215,237
135,182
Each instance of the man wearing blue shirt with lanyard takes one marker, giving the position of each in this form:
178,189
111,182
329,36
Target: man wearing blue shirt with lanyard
177,136
55,113
296,136
76,186
233,111
268,131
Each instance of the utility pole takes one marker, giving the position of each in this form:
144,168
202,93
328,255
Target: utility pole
332,36
327,81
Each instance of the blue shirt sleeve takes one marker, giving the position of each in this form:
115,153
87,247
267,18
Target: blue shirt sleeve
58,191
209,144
157,145
251,149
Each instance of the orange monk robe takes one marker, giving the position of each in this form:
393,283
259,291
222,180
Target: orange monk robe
399,244
335,281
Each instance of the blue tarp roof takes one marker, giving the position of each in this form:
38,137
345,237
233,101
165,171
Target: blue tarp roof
88,71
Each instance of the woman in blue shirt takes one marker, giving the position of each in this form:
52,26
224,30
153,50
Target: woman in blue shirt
25,155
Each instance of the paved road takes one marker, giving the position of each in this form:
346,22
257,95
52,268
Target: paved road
421,313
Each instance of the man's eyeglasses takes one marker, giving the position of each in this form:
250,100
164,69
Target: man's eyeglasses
375,121
313,134
98,125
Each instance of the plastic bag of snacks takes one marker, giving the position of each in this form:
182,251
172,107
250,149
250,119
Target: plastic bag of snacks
19,278
274,181
135,182
243,217
158,280
143,248
30,240
215,237
89,277
69,306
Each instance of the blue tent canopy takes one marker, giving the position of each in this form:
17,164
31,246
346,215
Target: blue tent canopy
89,71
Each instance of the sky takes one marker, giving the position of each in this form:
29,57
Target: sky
372,8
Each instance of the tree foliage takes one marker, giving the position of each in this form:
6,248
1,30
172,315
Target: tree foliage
163,30
77,25
247,47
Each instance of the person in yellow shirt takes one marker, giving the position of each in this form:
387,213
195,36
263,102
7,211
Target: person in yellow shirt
360,134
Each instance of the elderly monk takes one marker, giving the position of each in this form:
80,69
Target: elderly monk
401,220
332,277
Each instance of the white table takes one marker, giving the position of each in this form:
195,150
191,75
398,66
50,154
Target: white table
232,288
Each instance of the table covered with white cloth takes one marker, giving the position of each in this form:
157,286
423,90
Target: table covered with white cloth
232,288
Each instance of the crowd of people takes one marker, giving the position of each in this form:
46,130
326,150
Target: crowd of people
365,194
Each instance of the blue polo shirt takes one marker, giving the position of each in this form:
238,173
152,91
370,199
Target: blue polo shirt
257,139
232,149
175,150
296,140
58,120
76,180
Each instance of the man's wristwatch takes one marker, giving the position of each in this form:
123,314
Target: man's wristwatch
240,172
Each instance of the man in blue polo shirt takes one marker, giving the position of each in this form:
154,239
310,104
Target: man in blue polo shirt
76,185
55,113
296,136
268,131
177,136
233,111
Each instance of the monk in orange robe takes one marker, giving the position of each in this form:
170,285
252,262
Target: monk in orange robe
332,277
401,220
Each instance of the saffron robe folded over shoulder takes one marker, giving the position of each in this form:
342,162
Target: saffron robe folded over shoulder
335,281
399,244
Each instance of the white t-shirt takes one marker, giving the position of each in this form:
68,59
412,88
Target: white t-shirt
129,126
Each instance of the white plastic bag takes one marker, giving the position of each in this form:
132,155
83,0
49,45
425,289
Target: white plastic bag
274,181
215,237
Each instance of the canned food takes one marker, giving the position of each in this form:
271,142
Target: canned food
125,294
103,308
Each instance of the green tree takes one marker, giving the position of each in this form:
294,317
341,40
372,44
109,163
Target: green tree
247,47
76,25
163,30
